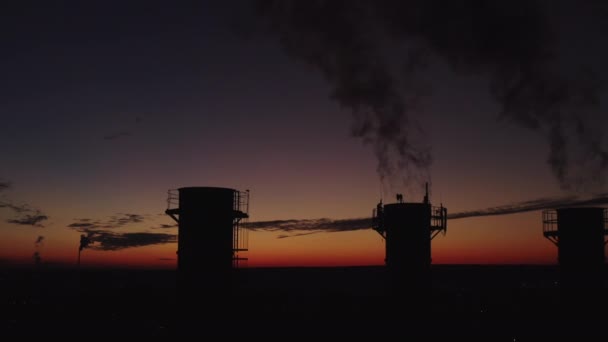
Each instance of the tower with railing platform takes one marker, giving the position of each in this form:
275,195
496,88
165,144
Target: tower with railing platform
579,234
211,240
408,228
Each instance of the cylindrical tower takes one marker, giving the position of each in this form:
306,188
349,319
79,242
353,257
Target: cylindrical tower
408,238
579,235
205,229
208,235
408,229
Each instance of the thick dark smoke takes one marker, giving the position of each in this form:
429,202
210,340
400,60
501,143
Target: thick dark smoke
374,53
85,241
101,235
103,240
306,227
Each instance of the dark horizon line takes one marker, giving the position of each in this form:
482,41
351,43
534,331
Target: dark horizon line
69,267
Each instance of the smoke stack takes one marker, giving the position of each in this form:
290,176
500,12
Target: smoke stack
209,236
408,229
38,244
579,234
85,241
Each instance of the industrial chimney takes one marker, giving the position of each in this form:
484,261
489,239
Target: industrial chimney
209,234
579,235
408,229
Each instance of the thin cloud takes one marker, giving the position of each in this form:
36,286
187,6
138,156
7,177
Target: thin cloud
16,208
124,219
25,215
114,221
29,220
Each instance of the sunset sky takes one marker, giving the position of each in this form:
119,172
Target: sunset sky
105,107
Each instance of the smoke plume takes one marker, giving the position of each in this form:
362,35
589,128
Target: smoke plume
295,227
375,53
302,227
85,241
534,205
38,244
102,240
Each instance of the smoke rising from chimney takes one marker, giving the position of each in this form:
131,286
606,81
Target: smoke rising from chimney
85,241
354,45
38,244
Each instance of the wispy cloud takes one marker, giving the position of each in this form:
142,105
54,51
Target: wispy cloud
22,208
25,215
29,220
114,221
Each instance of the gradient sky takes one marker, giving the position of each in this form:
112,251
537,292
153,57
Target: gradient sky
104,108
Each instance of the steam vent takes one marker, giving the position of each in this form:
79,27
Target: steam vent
209,234
579,236
408,229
